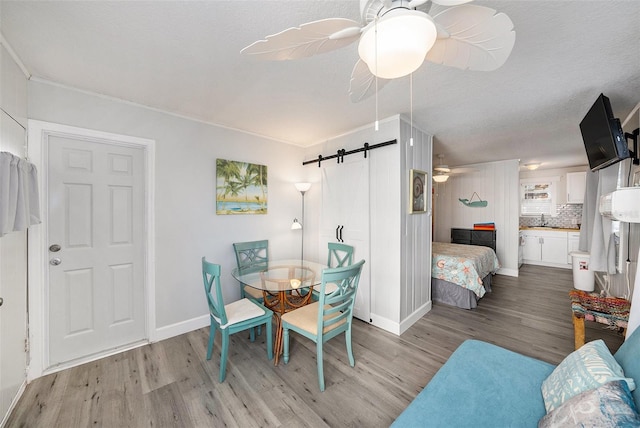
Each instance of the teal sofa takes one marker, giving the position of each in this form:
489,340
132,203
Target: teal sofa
484,385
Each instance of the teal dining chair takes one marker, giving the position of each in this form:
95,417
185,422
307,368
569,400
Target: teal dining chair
339,255
331,315
241,315
252,256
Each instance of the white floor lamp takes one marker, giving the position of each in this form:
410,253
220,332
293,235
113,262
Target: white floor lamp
302,188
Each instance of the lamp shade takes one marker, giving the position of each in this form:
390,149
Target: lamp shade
440,178
396,44
296,225
302,187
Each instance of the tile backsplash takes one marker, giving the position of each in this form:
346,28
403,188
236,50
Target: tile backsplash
569,216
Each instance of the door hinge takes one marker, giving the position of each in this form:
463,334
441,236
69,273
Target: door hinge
26,345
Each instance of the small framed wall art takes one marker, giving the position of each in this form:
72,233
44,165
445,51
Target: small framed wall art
417,197
241,188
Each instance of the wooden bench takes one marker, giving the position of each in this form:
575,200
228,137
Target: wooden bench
613,311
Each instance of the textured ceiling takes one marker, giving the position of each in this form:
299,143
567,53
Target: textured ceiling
183,57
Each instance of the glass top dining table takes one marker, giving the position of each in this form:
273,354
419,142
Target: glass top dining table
282,275
286,285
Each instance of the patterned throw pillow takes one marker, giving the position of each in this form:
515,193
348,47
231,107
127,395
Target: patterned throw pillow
609,405
586,368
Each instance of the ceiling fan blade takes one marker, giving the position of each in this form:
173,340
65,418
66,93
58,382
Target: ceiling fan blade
445,2
363,83
306,40
471,37
466,170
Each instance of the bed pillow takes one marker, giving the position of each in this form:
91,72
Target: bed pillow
586,368
609,405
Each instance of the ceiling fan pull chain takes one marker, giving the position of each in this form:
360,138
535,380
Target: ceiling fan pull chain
411,107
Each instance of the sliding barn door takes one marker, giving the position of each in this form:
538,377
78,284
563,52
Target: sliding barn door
345,218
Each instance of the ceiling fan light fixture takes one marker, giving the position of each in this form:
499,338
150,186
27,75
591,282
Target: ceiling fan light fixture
532,166
440,177
401,44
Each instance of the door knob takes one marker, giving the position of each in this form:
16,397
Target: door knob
1,301
54,248
55,261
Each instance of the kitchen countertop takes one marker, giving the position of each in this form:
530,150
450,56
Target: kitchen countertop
551,229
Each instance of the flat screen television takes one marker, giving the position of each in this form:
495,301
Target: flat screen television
603,137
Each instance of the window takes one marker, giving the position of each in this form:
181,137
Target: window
538,196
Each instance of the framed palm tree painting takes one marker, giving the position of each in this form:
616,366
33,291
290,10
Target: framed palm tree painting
241,188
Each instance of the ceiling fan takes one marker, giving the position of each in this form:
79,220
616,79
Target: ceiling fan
441,171
396,36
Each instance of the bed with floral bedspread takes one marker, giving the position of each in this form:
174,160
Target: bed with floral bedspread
461,274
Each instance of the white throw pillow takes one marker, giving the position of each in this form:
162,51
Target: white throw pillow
586,368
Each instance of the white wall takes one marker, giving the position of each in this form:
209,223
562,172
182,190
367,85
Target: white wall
631,123
13,246
416,229
495,182
187,226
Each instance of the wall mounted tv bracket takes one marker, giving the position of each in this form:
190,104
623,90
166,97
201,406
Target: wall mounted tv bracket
633,136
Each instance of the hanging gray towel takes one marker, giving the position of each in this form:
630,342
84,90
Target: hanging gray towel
19,202
600,248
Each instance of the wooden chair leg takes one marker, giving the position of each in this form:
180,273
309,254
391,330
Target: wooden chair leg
347,336
578,331
285,341
269,328
212,336
319,361
224,354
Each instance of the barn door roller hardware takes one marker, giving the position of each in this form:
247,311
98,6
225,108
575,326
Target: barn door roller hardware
342,152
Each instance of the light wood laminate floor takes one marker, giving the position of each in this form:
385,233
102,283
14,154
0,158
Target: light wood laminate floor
170,384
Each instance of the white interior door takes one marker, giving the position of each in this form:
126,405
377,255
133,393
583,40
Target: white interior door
96,294
345,205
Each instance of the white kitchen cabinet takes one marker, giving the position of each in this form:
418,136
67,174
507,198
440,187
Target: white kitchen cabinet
576,186
546,248
573,241
554,248
520,249
531,251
